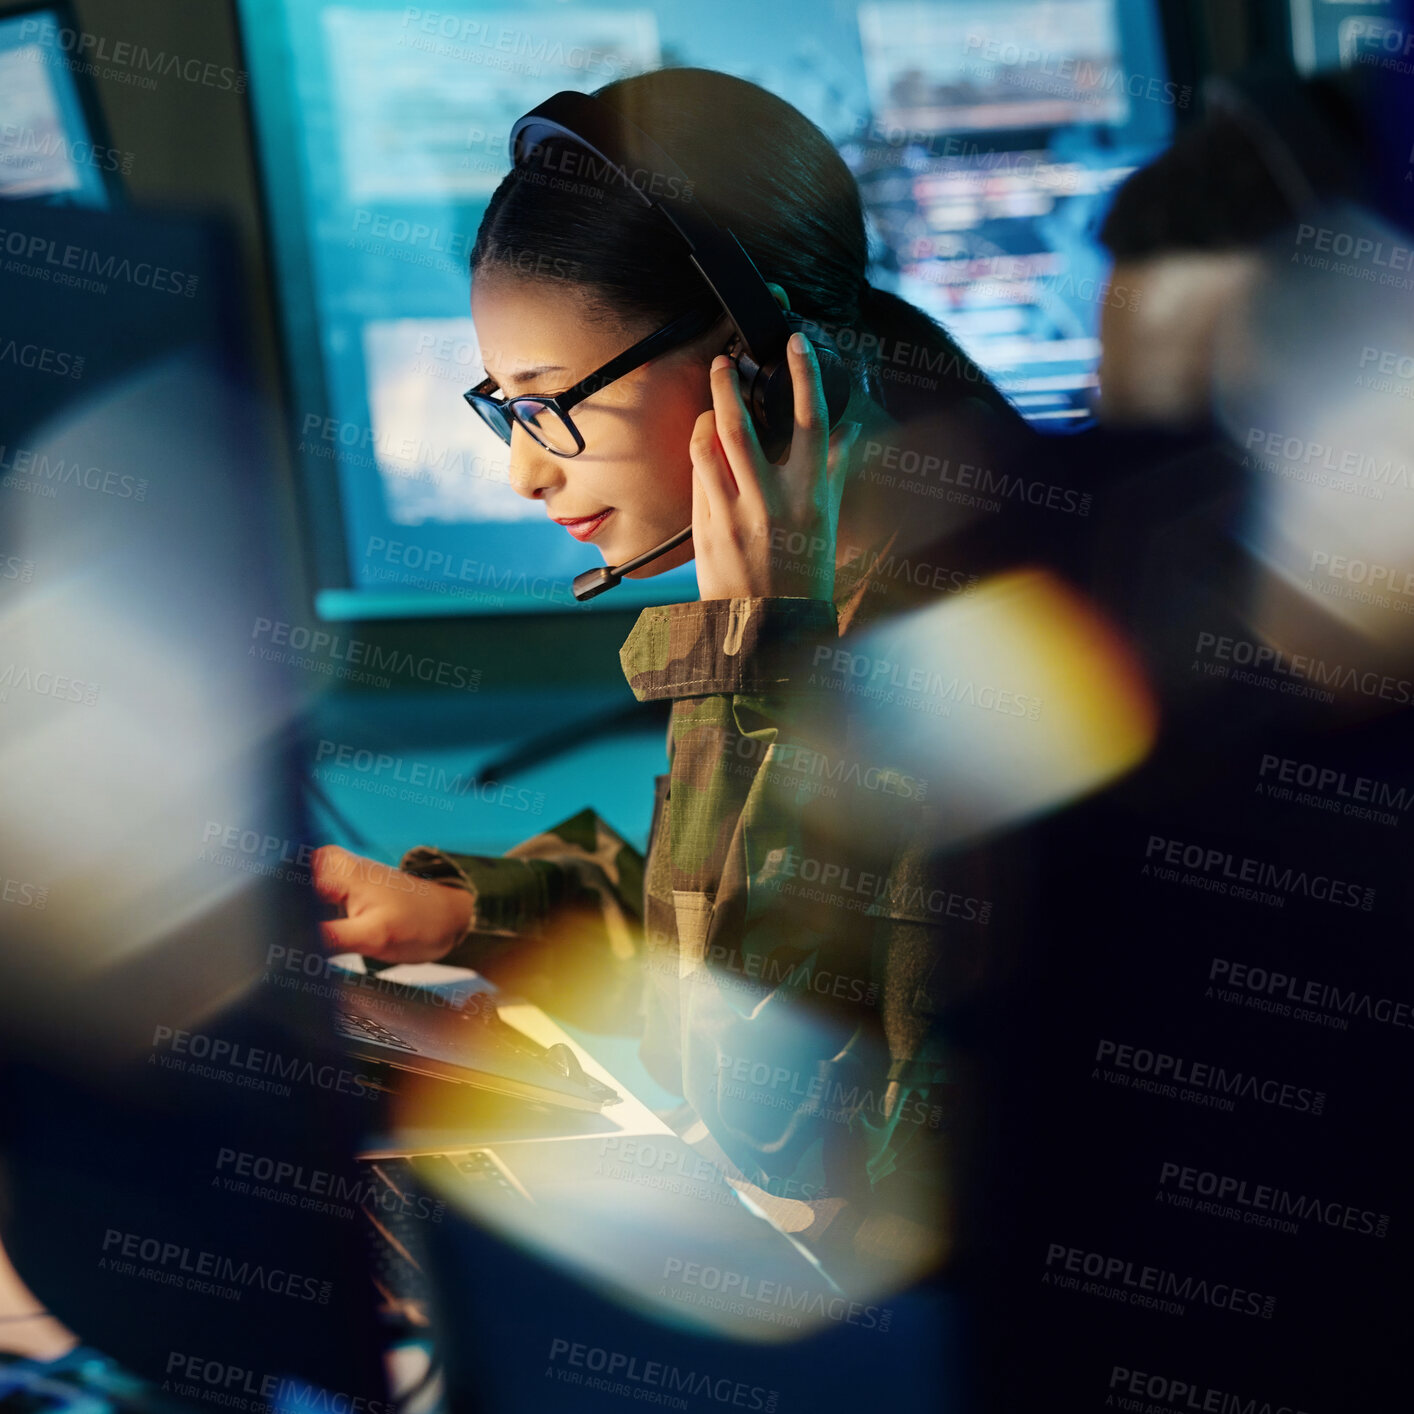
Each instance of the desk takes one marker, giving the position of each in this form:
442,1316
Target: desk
612,1194
615,1254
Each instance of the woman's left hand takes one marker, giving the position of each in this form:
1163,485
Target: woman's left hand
763,531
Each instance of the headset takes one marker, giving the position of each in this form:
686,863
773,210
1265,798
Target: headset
758,345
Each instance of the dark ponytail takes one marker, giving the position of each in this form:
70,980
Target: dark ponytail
917,366
760,167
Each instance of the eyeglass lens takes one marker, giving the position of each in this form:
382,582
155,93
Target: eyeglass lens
546,425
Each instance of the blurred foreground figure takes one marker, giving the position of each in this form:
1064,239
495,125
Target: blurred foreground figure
1272,321
140,1035
1196,978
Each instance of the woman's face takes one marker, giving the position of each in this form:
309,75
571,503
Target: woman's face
537,337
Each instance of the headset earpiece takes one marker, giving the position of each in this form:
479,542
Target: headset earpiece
768,394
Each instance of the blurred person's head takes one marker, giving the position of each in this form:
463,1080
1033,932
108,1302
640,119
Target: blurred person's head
1186,230
570,269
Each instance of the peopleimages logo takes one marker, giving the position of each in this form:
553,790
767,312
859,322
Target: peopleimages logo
1302,666
31,143
317,974
235,1387
680,1171
315,1190
267,853
814,1096
1359,249
84,53
33,470
44,253
329,649
1364,582
469,33
1263,1204
651,1381
879,568
1231,873
769,971
1326,780
1285,994
59,362
911,465
22,678
1389,362
176,1264
248,1066
1118,1278
876,890
787,762
1182,1395
419,782
1287,454
1085,80
1210,1085
892,683
743,1293
23,895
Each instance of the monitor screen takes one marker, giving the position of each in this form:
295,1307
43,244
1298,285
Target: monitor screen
1341,34
49,150
986,65
383,132
1003,128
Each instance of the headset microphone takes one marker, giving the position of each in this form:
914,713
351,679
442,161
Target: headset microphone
596,581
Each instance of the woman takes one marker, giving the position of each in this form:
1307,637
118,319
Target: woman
783,947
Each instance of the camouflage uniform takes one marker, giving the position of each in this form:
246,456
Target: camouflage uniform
782,946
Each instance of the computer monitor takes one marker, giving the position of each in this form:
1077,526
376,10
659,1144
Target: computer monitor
1000,130
53,145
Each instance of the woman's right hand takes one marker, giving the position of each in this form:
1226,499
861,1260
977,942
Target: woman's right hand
388,915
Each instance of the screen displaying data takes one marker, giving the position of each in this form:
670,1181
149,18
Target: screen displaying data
48,151
1002,129
986,65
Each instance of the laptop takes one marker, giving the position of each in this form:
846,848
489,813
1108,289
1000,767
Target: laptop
459,1037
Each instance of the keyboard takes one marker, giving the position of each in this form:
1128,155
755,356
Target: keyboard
354,1026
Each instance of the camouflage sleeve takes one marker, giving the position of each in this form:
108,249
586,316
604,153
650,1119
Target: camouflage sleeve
726,645
557,919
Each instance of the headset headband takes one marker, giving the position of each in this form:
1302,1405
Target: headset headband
664,186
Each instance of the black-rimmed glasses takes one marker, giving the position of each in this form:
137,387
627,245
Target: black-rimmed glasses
547,418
